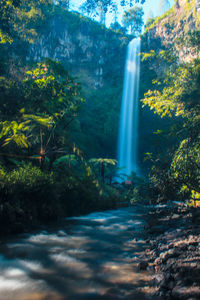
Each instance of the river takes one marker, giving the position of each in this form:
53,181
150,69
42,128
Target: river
88,257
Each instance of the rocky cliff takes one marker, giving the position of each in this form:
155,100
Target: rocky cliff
182,19
81,45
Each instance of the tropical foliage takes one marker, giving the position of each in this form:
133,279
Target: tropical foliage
177,96
43,174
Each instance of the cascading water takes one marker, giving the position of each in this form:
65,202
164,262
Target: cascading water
128,131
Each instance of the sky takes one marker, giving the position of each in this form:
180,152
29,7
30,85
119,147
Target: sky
150,7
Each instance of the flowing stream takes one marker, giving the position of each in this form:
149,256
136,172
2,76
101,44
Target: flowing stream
88,257
128,130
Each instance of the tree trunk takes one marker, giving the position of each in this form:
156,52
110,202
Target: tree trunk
103,172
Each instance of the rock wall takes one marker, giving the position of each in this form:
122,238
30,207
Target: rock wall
184,17
80,44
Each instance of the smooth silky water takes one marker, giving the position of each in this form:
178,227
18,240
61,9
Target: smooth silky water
89,257
128,129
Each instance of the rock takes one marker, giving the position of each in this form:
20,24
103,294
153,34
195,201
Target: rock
158,261
183,247
168,254
170,285
191,248
158,278
175,256
143,265
181,292
157,268
175,216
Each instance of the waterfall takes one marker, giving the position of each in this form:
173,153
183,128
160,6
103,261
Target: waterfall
128,130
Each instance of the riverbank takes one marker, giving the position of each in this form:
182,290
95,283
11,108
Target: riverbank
174,252
14,220
26,207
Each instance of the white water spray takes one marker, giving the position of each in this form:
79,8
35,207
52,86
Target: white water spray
128,131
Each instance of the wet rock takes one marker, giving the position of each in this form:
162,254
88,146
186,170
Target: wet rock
185,293
157,268
168,254
158,261
175,216
158,278
170,285
143,265
191,248
175,255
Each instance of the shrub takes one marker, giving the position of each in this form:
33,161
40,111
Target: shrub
27,194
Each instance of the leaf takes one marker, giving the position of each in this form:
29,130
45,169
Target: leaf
41,120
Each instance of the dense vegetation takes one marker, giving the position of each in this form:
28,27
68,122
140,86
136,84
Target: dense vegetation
43,173
174,96
55,159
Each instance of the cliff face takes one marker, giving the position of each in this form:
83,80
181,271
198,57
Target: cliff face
81,45
96,57
183,18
